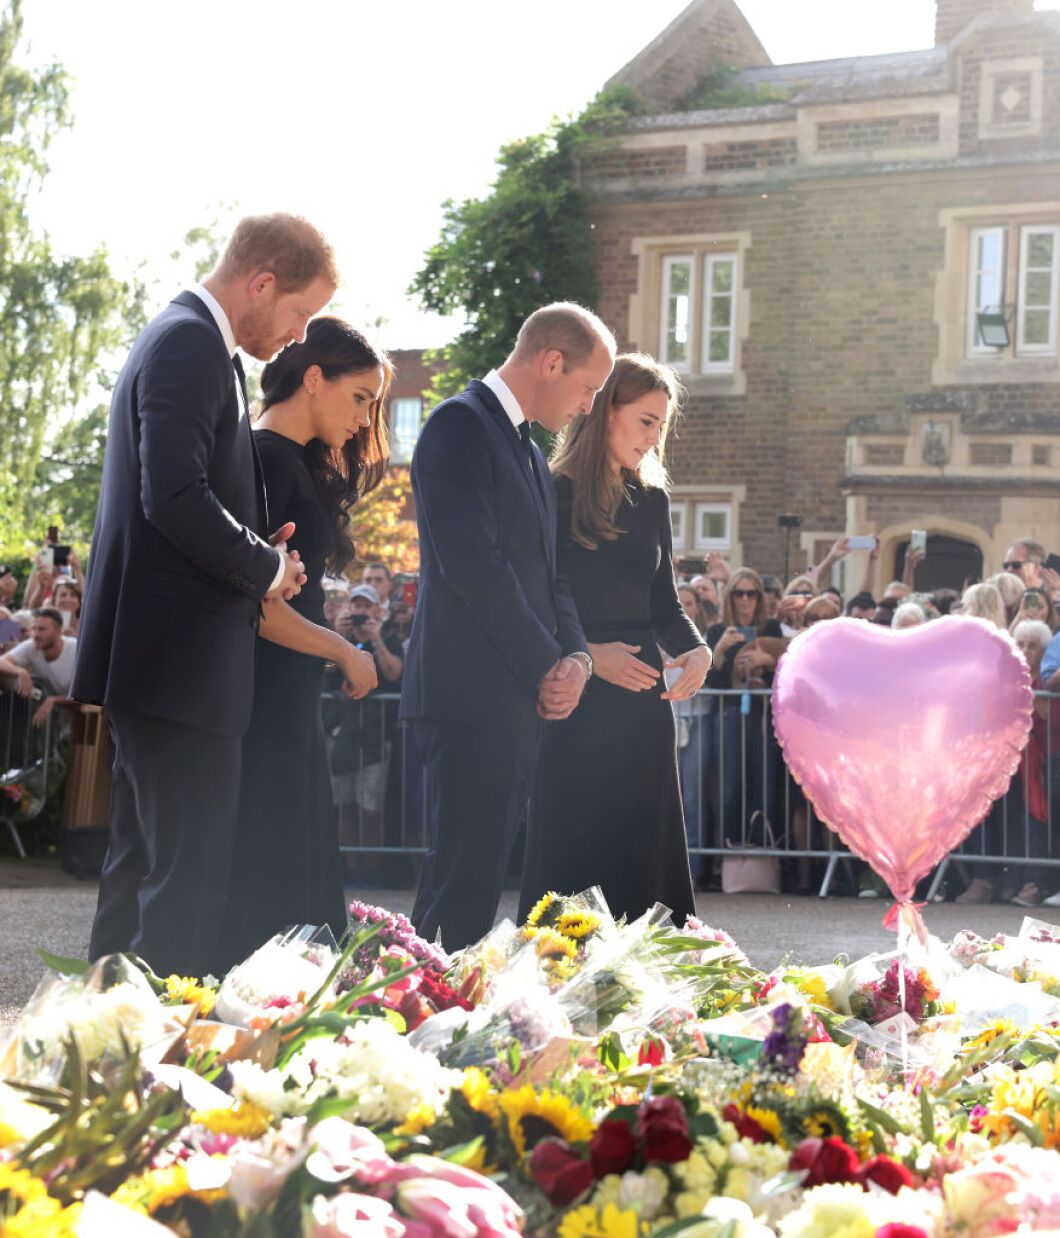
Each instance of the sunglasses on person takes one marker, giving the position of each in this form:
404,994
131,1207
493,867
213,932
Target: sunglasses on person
745,593
801,593
1013,565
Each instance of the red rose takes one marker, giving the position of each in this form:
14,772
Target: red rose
652,1052
746,1127
612,1148
662,1125
896,1229
825,1160
891,1175
559,1171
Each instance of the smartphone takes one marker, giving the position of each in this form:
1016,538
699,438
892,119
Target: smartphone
691,565
918,540
53,533
9,631
46,558
861,542
408,593
1053,563
61,555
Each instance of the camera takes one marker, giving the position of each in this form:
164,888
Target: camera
789,521
358,621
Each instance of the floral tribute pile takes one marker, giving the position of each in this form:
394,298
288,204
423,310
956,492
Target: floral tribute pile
573,1076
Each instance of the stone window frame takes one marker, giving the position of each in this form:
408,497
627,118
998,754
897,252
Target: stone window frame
646,323
988,72
687,497
953,364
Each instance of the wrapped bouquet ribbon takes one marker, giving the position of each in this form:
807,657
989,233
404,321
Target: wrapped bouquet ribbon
903,739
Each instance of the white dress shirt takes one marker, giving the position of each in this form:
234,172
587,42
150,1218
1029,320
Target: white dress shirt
229,337
507,398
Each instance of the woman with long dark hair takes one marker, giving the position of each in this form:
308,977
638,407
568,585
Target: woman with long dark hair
607,807
322,444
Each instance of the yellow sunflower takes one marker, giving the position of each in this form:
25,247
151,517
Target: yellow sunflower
532,1116
417,1120
188,989
578,924
540,908
610,1221
552,945
21,1184
43,1218
475,1089
158,1187
999,1027
245,1120
767,1119
822,1125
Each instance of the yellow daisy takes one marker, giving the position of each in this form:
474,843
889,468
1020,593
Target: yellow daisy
610,1221
158,1187
188,989
578,924
532,1116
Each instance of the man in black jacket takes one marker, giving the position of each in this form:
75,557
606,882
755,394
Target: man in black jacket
181,562
496,642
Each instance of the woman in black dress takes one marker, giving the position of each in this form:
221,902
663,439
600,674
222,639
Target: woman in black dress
322,445
606,808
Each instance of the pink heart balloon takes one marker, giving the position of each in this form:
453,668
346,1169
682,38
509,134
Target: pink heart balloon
903,739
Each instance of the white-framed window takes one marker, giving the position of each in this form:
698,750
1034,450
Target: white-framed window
719,312
712,526
986,282
678,514
1037,296
406,417
678,277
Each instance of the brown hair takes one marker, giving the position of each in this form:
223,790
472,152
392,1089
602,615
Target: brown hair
581,453
67,582
728,611
823,606
287,245
340,477
564,327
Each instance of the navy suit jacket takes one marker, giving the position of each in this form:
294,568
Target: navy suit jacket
491,614
179,559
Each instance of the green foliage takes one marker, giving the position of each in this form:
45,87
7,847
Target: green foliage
526,243
721,88
58,315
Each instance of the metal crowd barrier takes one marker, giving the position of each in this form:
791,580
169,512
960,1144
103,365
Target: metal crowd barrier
739,797
28,760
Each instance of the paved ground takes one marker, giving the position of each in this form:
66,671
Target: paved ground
40,906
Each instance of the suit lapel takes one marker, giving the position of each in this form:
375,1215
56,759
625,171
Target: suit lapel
547,525
259,477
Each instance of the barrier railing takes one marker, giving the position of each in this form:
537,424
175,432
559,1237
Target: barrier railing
27,761
740,800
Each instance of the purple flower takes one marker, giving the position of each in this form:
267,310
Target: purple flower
786,1043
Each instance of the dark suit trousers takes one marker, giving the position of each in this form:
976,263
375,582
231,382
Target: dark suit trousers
477,783
174,806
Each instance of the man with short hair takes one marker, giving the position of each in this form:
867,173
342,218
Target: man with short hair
496,642
1024,558
378,575
181,563
47,656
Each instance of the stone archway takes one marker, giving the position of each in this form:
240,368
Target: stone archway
956,552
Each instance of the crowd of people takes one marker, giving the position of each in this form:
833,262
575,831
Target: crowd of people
735,788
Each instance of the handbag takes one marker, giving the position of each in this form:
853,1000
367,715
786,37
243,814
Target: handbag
752,874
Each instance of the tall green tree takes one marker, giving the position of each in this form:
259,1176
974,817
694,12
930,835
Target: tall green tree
526,243
58,315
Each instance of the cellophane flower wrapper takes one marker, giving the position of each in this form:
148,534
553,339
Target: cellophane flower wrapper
472,971
285,971
520,1009
1032,955
111,1002
621,976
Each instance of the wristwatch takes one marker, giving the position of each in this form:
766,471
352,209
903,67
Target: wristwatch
584,661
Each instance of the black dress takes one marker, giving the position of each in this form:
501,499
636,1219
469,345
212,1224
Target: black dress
606,808
288,867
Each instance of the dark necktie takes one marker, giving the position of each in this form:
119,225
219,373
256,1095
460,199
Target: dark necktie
237,365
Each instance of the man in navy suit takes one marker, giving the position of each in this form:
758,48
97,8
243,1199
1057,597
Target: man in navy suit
181,562
496,642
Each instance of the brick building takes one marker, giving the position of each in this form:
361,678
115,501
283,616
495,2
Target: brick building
824,251
405,404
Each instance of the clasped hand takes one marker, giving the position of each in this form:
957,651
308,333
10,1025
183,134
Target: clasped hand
560,690
694,667
617,662
294,576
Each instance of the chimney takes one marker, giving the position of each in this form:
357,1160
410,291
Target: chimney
952,16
